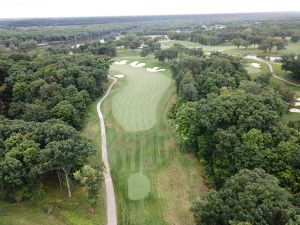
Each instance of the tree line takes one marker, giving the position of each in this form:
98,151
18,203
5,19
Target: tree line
264,35
43,99
233,125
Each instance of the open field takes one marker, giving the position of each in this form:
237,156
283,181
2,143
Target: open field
144,163
190,44
232,50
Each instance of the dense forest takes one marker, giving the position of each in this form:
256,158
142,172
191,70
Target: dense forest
233,125
44,97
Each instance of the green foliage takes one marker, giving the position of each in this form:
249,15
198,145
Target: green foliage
67,112
43,86
295,38
198,76
291,63
18,167
252,196
168,54
28,150
186,122
237,42
90,178
233,122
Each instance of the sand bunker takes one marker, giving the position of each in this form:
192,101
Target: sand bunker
155,70
120,76
297,104
251,57
133,64
298,99
123,62
256,65
295,110
136,64
140,65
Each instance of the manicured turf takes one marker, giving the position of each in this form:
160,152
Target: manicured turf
134,105
232,50
137,157
138,186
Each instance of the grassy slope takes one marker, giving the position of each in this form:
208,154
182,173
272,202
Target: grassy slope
175,179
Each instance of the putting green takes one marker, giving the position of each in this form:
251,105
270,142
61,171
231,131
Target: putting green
134,105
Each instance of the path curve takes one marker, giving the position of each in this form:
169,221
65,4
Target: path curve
109,187
273,74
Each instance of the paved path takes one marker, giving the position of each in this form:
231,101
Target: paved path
273,74
109,187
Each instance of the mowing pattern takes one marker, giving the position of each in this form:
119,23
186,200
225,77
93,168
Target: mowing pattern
134,105
142,149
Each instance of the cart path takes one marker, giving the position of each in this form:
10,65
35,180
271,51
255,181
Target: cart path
109,187
274,75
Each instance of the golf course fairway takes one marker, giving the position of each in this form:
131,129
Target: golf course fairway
134,106
155,184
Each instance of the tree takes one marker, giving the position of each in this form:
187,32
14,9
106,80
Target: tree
67,112
254,39
161,55
268,44
249,154
251,196
195,52
237,42
187,89
291,63
295,38
246,43
90,178
280,44
18,168
66,156
186,122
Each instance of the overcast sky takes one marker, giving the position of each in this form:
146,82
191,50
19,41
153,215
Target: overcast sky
76,8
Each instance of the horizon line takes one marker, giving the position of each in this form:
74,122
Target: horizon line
151,15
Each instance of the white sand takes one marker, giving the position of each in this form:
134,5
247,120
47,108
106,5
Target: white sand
123,62
136,64
297,104
295,110
133,64
298,99
155,70
120,76
251,57
140,65
256,65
